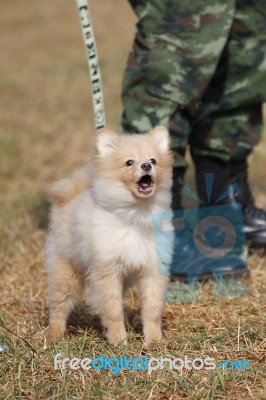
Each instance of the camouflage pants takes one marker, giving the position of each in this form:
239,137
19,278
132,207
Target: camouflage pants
200,70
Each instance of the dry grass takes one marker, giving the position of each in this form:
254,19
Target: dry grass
46,130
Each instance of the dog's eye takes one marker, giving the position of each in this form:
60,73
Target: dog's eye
153,161
130,162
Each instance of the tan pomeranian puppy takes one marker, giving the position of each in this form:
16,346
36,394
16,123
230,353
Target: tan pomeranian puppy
102,235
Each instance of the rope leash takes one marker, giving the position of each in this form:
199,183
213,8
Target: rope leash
92,59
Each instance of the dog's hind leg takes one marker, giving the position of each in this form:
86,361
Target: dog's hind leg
65,286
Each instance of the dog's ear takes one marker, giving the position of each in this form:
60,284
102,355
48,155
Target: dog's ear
161,138
107,141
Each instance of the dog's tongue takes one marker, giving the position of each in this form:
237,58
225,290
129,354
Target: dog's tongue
144,185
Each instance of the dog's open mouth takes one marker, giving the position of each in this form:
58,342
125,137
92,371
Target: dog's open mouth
145,184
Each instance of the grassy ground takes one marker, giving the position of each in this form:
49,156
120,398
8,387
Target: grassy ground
45,131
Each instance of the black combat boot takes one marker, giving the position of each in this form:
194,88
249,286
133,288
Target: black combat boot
178,183
226,174
182,247
218,194
190,261
221,178
254,217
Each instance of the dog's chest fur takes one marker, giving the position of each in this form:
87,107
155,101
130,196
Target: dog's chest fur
125,238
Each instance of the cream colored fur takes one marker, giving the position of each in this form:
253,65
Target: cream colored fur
101,235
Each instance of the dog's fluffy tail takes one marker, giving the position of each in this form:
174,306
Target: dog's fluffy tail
63,191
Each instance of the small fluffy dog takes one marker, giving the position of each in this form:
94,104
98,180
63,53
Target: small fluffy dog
102,235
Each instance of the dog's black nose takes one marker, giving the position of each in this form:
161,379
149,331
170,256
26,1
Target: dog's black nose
146,166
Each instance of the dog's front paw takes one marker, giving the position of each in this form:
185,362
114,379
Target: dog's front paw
116,335
54,332
152,334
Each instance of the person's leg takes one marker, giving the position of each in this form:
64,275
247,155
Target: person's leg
176,51
169,67
229,122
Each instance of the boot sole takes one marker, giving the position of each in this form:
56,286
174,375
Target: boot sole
204,276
